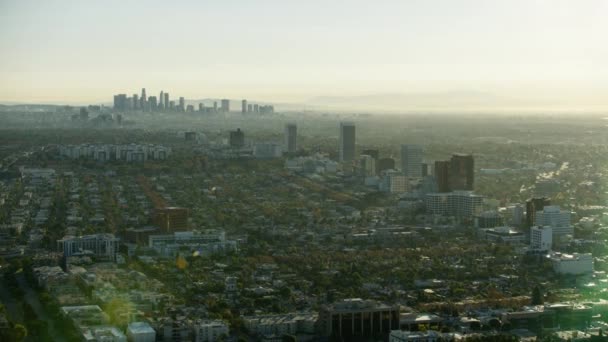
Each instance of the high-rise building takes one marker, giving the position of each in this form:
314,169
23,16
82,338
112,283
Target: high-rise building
256,108
455,174
291,135
372,152
135,101
120,102
411,160
559,220
142,99
347,141
394,182
541,238
215,106
367,165
171,219
182,104
384,164
534,205
201,107
161,100
424,169
166,100
463,204
249,108
461,172
152,103
244,106
237,138
442,172
225,106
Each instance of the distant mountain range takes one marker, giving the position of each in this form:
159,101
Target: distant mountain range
411,101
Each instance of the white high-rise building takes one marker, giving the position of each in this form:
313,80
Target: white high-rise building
464,204
541,238
411,160
438,203
347,141
557,219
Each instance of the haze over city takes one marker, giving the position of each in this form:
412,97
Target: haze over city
283,171
414,55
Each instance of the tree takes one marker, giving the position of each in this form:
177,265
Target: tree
19,332
537,296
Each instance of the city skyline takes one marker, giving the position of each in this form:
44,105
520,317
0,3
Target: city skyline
522,55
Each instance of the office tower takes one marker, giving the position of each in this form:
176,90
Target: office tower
552,215
152,103
215,106
143,99
291,136
534,205
367,165
347,141
372,152
424,169
411,160
166,100
135,101
268,109
249,108
384,164
237,138
541,238
442,172
161,100
463,204
256,108
120,102
171,219
84,114
182,104
225,106
461,172
244,106
172,105
201,107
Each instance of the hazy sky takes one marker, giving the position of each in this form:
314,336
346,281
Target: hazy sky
85,51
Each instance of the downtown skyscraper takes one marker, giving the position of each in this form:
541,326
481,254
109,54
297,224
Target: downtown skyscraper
347,141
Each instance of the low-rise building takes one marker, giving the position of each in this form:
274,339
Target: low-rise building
210,331
356,317
290,324
572,263
140,332
103,246
202,243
